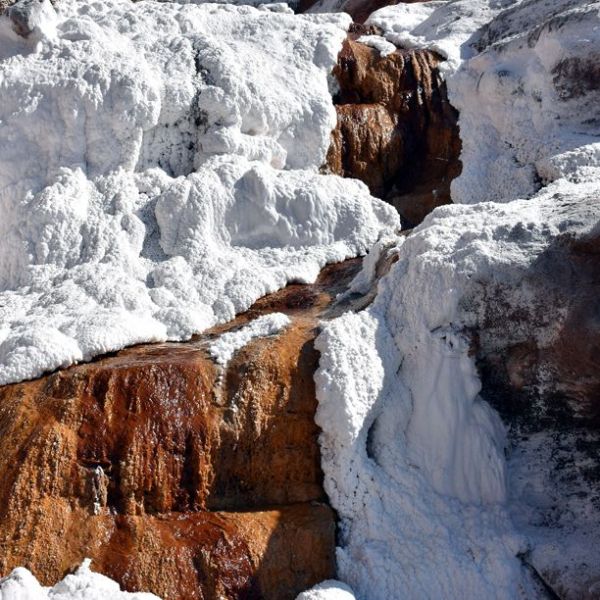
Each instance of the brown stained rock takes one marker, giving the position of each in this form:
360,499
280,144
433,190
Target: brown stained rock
183,556
374,139
396,130
134,459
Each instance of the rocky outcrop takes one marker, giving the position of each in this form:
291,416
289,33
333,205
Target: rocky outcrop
396,130
538,383
174,475
539,361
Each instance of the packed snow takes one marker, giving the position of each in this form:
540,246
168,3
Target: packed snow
378,42
413,458
226,345
84,584
328,590
158,172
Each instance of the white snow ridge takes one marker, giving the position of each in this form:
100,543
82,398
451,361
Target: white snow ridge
226,345
158,174
84,584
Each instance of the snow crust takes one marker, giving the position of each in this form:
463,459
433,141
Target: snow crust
223,349
413,457
158,173
84,584
379,43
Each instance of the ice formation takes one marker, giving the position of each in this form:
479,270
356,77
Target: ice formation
84,584
226,345
413,458
158,173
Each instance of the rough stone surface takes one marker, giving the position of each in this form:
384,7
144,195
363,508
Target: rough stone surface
537,384
396,130
548,394
174,476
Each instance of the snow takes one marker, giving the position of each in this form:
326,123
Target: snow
327,590
81,585
522,75
413,458
158,173
444,26
223,349
379,43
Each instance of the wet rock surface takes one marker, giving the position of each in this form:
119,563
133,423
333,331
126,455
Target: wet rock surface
174,475
396,130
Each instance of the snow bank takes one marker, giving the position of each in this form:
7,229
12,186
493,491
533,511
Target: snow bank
413,457
223,349
379,43
445,26
81,585
158,173
328,590
524,78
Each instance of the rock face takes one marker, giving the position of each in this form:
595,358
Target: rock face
396,130
557,383
176,476
547,390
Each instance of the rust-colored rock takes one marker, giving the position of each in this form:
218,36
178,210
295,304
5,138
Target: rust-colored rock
173,476
396,130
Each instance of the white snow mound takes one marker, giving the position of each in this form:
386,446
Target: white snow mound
158,173
413,458
328,590
84,584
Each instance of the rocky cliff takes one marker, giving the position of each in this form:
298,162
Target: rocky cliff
396,130
174,474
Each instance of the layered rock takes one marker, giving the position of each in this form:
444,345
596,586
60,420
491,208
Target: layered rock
174,475
396,130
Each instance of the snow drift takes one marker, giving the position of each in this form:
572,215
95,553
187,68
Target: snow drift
414,459
84,584
158,173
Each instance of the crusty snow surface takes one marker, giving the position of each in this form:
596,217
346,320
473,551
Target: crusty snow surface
414,459
158,173
84,584
226,345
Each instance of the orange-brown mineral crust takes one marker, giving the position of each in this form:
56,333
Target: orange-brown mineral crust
175,476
